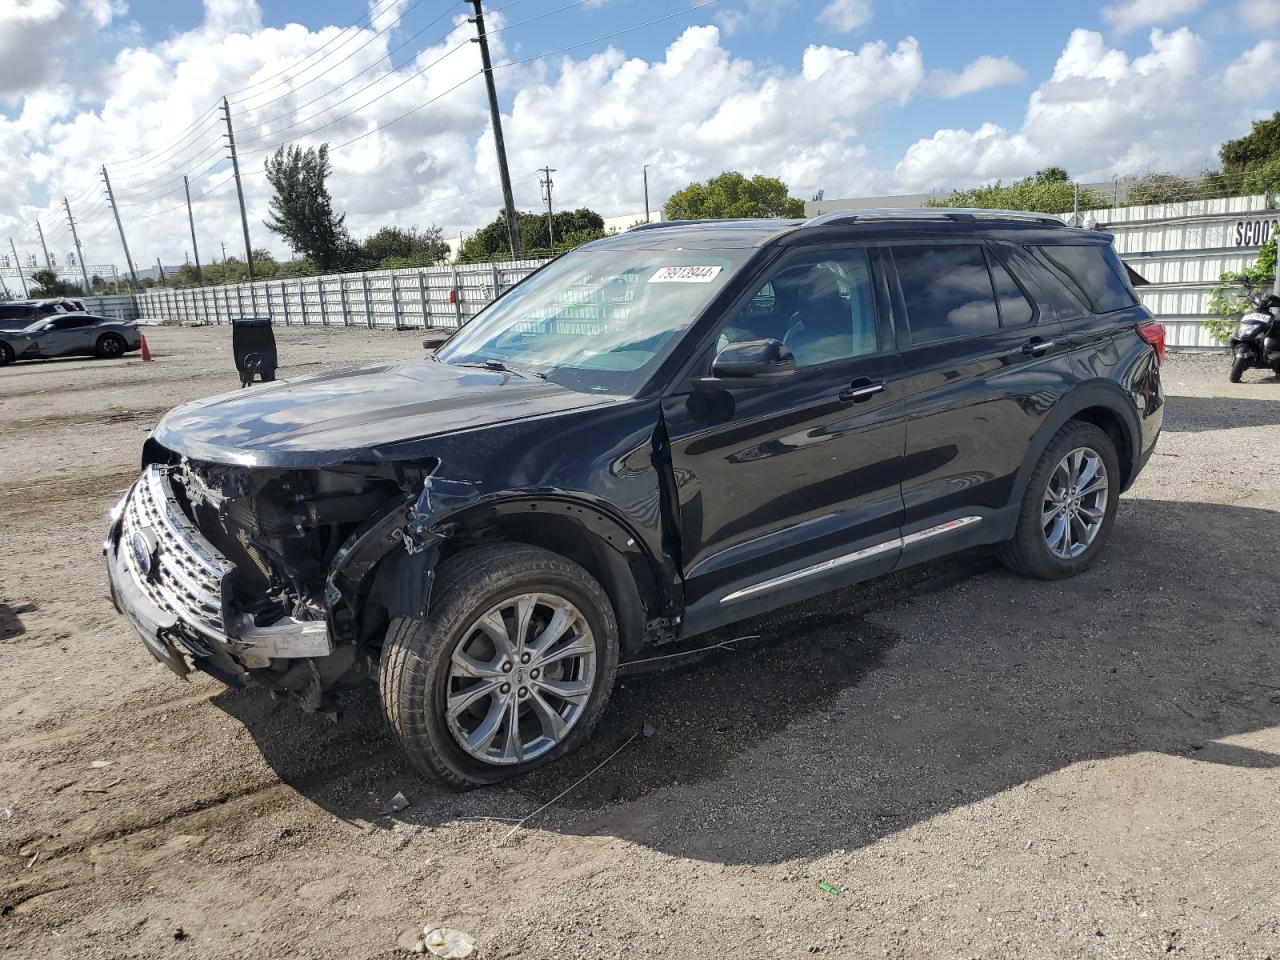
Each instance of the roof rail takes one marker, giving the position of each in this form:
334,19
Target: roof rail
955,214
658,224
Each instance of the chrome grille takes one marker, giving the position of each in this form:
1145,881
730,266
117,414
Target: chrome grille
186,573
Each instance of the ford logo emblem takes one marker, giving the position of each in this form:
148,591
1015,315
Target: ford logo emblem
141,551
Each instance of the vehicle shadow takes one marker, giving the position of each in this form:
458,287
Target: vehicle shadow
855,716
11,625
1199,414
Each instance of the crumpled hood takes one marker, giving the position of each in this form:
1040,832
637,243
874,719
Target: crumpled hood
348,414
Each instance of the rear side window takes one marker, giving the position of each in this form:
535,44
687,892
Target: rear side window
1094,270
13,312
947,291
1015,309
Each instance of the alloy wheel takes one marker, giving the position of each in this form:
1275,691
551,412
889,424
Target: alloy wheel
520,678
1075,503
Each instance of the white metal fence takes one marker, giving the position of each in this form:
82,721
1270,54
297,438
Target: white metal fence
435,297
121,307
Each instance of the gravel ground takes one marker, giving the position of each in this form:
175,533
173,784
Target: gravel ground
974,765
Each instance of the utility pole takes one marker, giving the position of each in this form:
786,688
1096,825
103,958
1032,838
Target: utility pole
40,230
71,222
235,168
546,188
160,267
645,172
111,197
192,220
18,263
224,252
513,228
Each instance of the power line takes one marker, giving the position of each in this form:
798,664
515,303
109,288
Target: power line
202,164
321,113
356,25
373,37
379,79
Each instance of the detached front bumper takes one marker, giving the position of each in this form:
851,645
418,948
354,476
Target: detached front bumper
175,588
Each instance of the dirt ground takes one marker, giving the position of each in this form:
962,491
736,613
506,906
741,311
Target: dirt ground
974,764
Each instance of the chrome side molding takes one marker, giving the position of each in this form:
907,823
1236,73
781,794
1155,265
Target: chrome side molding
844,559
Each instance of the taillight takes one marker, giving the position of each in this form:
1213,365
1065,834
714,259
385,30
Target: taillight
1153,333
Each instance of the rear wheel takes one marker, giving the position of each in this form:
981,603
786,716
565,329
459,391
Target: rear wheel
1069,505
6,354
511,669
1275,368
109,345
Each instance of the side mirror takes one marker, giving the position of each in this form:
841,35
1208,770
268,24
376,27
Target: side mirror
750,363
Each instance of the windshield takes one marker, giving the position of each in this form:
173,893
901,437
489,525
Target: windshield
596,320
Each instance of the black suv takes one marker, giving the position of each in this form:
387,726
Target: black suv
655,435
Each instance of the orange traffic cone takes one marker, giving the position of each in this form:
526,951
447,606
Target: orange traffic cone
146,354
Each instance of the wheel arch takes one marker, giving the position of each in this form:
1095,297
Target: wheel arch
582,532
1101,403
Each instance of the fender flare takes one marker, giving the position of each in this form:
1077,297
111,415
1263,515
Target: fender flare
1093,393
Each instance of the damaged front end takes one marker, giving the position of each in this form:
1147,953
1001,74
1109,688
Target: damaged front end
262,574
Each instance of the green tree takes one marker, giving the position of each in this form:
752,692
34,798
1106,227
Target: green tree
395,247
302,210
1163,188
1258,145
1051,175
46,284
573,228
731,195
1051,196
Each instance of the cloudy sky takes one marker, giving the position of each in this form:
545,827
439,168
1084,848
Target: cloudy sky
852,97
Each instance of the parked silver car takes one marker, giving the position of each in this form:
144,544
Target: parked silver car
68,334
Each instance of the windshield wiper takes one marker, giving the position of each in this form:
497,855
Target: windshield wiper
501,366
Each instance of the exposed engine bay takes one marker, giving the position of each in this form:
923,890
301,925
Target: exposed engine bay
245,570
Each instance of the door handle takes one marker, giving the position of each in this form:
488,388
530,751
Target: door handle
1035,347
861,390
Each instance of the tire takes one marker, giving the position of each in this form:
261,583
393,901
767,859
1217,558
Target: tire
1275,368
417,672
1238,366
109,345
6,354
1029,552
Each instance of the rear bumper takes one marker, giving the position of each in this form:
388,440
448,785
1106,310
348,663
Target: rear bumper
173,587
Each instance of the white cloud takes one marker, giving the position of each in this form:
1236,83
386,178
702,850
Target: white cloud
982,74
754,15
700,111
1100,114
1252,75
26,33
844,16
1134,14
692,111
1259,14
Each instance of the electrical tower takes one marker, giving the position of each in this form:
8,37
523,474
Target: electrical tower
192,220
235,169
546,195
71,222
508,200
111,198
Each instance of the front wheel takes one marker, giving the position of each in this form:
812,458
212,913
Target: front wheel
1069,505
1238,366
511,669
